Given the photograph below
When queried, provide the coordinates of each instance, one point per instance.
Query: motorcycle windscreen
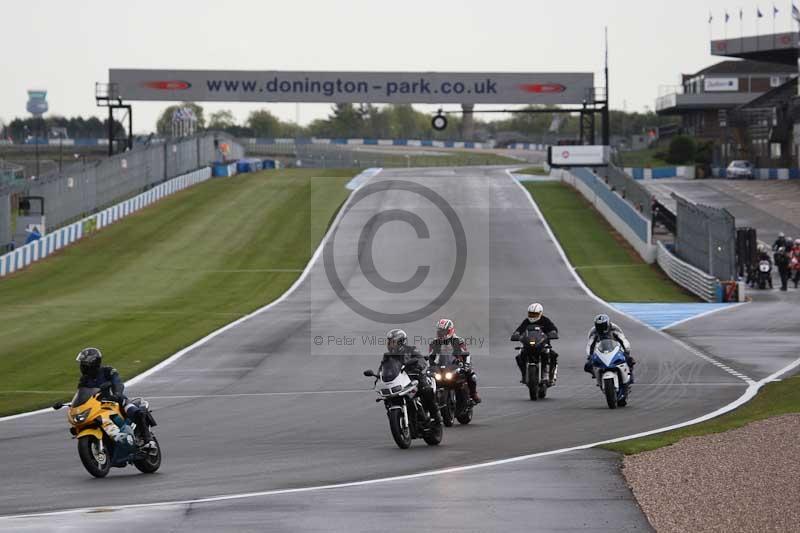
(390, 369)
(536, 334)
(607, 346)
(83, 395)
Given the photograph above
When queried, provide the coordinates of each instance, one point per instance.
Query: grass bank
(774, 399)
(602, 257)
(643, 158)
(533, 171)
(155, 282)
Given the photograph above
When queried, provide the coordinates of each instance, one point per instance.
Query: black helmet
(396, 338)
(602, 324)
(90, 360)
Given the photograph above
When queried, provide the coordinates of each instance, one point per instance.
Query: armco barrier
(367, 142)
(691, 278)
(52, 242)
(620, 214)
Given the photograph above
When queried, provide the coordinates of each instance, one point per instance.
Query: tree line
(403, 122)
(344, 121)
(76, 128)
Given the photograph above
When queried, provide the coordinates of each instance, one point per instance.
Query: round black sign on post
(439, 122)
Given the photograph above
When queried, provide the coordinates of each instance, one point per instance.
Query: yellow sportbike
(105, 438)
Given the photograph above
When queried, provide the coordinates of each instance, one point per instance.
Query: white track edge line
(750, 392)
(174, 357)
(706, 313)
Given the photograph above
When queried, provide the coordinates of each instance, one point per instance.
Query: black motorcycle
(408, 418)
(452, 391)
(535, 353)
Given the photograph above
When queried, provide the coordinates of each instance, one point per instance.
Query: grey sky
(66, 46)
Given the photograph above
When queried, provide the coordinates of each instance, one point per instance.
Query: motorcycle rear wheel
(96, 463)
(401, 435)
(611, 393)
(151, 462)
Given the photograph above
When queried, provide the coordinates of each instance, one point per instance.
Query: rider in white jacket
(605, 329)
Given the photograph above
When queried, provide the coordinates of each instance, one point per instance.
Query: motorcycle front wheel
(433, 436)
(96, 462)
(449, 408)
(533, 382)
(400, 432)
(611, 393)
(151, 461)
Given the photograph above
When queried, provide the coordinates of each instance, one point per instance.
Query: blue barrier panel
(620, 207)
(371, 142)
(338, 141)
(469, 144)
(773, 173)
(794, 173)
(265, 141)
(400, 142)
(427, 143)
(664, 172)
(449, 144)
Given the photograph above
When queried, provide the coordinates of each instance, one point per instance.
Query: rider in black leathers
(106, 378)
(416, 367)
(536, 318)
(447, 341)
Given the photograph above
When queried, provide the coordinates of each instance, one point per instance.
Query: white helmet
(535, 312)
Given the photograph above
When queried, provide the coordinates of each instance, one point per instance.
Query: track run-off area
(275, 405)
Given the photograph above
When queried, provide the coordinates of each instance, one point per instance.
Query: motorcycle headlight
(81, 417)
(438, 376)
(449, 375)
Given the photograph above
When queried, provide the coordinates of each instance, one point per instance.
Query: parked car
(740, 170)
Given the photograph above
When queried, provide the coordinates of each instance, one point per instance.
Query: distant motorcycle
(98, 452)
(764, 274)
(535, 349)
(612, 372)
(408, 418)
(452, 392)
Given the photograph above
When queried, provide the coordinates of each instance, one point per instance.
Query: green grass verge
(157, 281)
(602, 258)
(774, 399)
(533, 171)
(643, 158)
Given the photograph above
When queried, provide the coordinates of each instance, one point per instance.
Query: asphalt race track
(267, 405)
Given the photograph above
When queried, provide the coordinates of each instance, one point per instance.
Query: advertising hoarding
(352, 87)
(578, 156)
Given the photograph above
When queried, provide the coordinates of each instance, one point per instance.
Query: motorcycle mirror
(553, 335)
(57, 406)
(369, 373)
(515, 337)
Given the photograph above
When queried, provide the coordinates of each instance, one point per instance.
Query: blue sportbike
(612, 372)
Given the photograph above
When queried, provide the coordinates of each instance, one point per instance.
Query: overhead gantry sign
(352, 87)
